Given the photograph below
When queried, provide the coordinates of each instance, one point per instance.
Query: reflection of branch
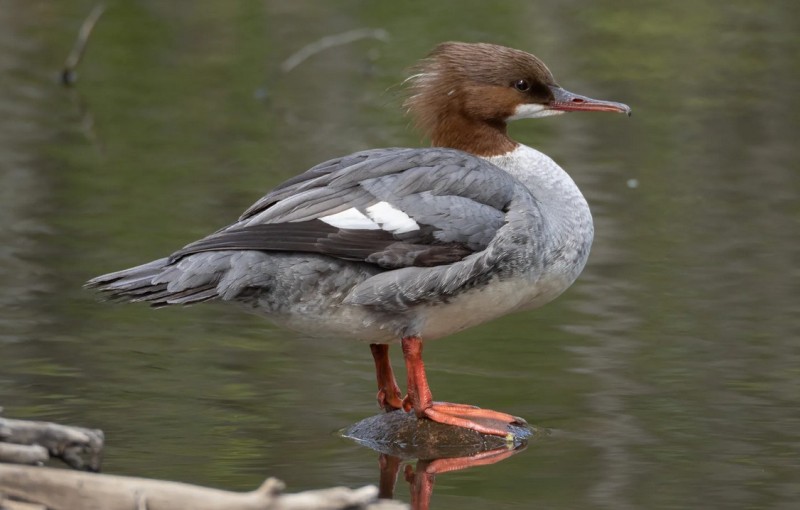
(329, 42)
(69, 74)
(87, 120)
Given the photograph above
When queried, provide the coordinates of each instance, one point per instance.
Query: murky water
(669, 376)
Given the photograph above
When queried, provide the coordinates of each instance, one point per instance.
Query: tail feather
(164, 297)
(142, 284)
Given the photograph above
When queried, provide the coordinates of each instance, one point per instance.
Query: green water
(669, 375)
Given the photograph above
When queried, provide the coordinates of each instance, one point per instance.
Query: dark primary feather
(374, 246)
(458, 201)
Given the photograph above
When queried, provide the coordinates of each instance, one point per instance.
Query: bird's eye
(522, 85)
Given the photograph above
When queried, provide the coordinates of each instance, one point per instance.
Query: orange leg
(420, 399)
(389, 397)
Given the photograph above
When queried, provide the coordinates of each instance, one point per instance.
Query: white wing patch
(391, 219)
(379, 216)
(350, 218)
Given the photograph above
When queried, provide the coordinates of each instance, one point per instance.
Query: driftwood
(58, 489)
(33, 442)
(31, 454)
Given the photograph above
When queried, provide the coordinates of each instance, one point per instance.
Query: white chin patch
(379, 216)
(533, 111)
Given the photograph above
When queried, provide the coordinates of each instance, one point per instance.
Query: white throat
(559, 197)
(547, 181)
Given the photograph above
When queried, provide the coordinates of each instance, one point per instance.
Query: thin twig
(69, 74)
(330, 41)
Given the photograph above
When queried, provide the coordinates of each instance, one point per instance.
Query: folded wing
(393, 208)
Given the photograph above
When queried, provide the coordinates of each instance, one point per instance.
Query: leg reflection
(422, 478)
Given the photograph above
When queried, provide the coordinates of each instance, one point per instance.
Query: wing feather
(460, 204)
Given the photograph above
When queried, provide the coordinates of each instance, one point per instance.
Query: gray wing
(428, 217)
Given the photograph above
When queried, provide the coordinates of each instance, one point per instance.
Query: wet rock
(404, 435)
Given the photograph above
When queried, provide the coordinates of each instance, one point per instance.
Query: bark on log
(59, 489)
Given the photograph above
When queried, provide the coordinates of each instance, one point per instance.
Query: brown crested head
(463, 94)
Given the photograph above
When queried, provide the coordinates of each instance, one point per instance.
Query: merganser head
(462, 95)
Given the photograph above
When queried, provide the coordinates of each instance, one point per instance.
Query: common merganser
(403, 244)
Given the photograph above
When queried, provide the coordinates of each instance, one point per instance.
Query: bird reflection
(422, 477)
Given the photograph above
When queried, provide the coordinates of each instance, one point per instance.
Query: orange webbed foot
(484, 421)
